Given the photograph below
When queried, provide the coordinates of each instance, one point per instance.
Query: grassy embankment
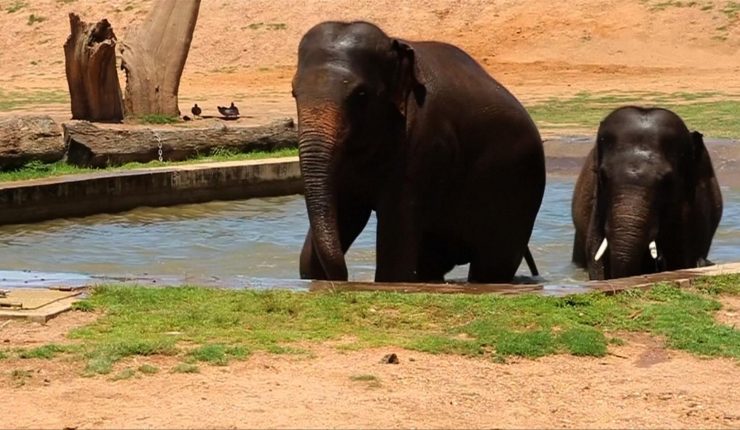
(714, 114)
(200, 325)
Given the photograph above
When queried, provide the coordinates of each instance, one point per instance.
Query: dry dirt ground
(638, 385)
(245, 51)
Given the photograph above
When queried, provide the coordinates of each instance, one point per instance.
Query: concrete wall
(80, 195)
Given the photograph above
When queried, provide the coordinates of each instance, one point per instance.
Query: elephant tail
(530, 262)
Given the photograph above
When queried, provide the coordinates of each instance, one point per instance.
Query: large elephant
(647, 198)
(449, 160)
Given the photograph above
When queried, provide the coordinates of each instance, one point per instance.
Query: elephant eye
(359, 95)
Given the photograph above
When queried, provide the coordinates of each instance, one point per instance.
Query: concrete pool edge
(110, 192)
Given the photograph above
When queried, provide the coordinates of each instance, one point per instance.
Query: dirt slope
(246, 49)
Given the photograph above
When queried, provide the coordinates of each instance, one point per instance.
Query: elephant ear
(407, 77)
(701, 169)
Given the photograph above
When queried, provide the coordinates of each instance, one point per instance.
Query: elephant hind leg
(494, 266)
(435, 261)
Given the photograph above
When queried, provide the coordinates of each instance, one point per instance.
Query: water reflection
(261, 239)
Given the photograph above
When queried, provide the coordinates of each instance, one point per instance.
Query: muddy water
(256, 240)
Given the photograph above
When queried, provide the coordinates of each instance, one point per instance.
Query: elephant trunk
(318, 134)
(630, 231)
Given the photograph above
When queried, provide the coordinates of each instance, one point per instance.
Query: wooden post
(90, 58)
(153, 57)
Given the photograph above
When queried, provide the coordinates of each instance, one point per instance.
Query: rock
(391, 358)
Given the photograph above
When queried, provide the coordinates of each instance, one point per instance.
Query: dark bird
(229, 112)
(196, 110)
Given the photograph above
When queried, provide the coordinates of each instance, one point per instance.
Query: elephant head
(648, 169)
(352, 87)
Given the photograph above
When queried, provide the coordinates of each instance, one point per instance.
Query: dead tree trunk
(153, 57)
(90, 57)
(29, 138)
(92, 146)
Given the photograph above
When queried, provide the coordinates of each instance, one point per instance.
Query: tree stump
(29, 138)
(90, 58)
(153, 57)
(92, 146)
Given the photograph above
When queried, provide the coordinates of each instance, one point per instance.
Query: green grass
(159, 119)
(218, 354)
(714, 114)
(11, 100)
(215, 326)
(186, 368)
(124, 374)
(148, 369)
(36, 170)
(47, 352)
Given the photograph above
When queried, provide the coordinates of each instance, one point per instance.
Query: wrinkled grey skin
(647, 179)
(418, 132)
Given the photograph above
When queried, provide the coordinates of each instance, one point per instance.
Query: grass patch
(82, 306)
(36, 170)
(371, 380)
(731, 10)
(711, 113)
(34, 19)
(186, 368)
(156, 118)
(584, 341)
(11, 100)
(218, 354)
(3, 355)
(16, 6)
(46, 352)
(266, 26)
(102, 357)
(148, 369)
(124, 374)
(20, 376)
(722, 284)
(226, 324)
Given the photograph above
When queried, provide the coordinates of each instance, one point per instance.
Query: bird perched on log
(196, 110)
(229, 112)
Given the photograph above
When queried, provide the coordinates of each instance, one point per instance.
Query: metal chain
(159, 146)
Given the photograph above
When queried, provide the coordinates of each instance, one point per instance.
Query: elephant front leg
(351, 221)
(397, 250)
(310, 266)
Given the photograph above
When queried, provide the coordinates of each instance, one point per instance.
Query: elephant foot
(703, 262)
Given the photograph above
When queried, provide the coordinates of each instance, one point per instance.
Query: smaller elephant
(646, 199)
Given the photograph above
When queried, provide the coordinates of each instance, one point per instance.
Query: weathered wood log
(92, 146)
(409, 287)
(153, 56)
(29, 138)
(90, 63)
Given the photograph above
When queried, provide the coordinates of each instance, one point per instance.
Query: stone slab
(36, 304)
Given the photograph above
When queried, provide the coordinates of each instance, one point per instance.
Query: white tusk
(601, 250)
(653, 250)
